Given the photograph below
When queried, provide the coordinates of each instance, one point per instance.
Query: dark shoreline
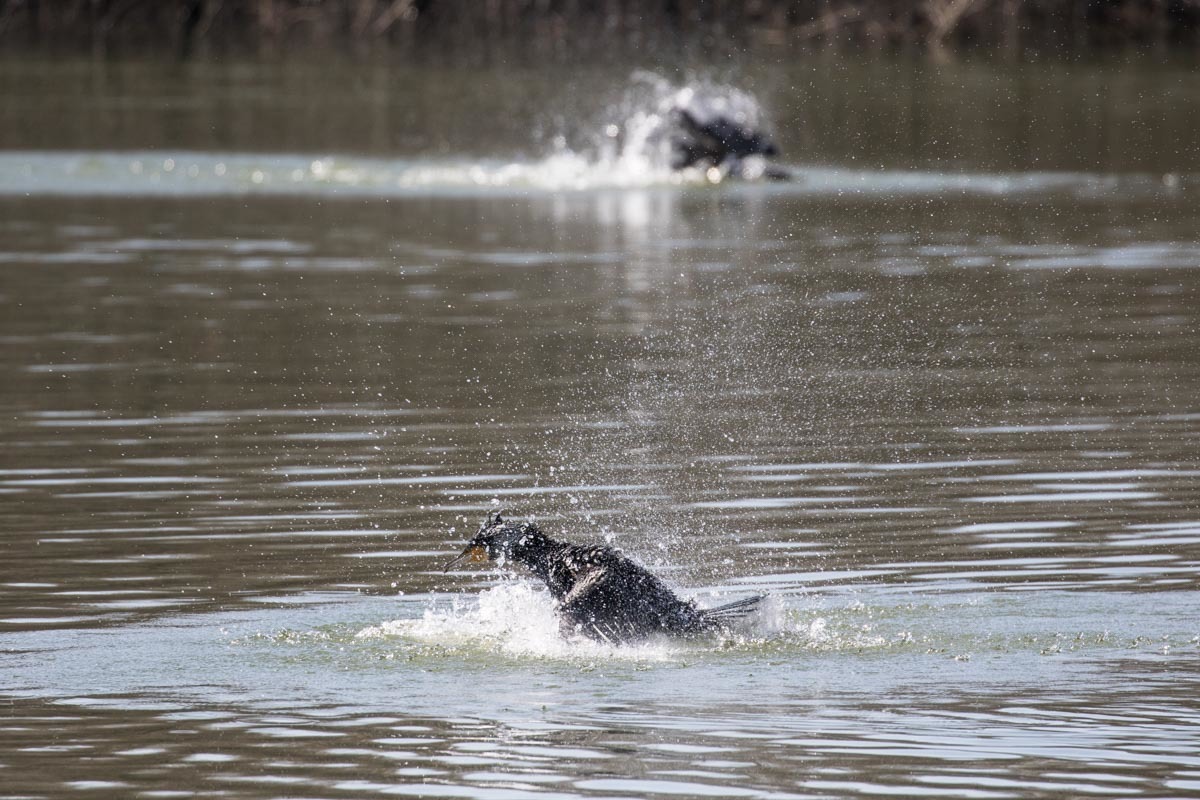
(570, 29)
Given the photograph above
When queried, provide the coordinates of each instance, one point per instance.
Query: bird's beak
(476, 552)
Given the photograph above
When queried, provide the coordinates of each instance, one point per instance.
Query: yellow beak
(477, 553)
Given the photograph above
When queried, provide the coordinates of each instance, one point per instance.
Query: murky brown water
(270, 351)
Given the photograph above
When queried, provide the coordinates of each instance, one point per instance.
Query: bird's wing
(584, 587)
(577, 606)
(581, 560)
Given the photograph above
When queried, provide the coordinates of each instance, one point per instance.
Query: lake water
(275, 337)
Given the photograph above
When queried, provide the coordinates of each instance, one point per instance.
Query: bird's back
(612, 598)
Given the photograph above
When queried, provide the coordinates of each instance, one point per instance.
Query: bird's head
(498, 540)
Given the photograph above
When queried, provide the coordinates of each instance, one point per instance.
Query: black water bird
(600, 593)
(711, 138)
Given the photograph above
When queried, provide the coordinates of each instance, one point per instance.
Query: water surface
(266, 369)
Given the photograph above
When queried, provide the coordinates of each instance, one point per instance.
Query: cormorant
(601, 593)
(711, 137)
(715, 140)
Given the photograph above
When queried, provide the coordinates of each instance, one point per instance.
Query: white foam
(518, 619)
(515, 619)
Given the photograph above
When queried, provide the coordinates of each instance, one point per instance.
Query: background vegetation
(568, 27)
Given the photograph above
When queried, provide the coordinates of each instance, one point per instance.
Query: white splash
(636, 140)
(518, 620)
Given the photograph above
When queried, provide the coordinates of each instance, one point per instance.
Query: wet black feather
(601, 593)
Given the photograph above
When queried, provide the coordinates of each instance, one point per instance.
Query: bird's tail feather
(731, 612)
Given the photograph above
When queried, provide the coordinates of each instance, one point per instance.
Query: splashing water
(628, 146)
(636, 136)
(517, 619)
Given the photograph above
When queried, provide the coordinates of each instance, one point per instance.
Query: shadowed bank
(566, 27)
